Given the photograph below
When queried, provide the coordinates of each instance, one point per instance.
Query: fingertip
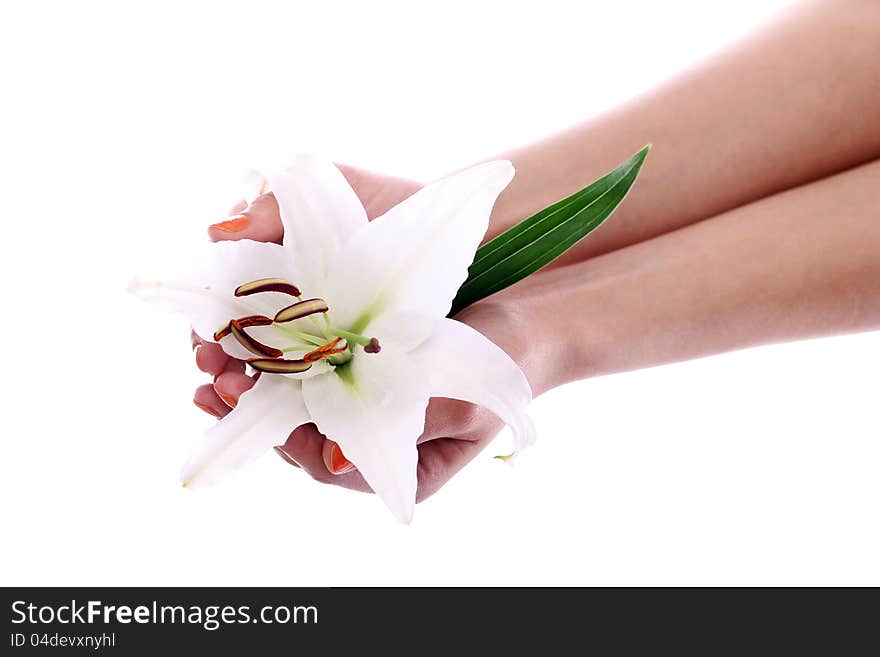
(334, 459)
(229, 387)
(286, 457)
(259, 221)
(233, 228)
(206, 399)
(210, 358)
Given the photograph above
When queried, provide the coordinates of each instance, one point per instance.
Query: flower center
(332, 344)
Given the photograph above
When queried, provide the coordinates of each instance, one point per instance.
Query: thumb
(260, 221)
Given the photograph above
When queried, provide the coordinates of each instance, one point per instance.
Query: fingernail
(234, 224)
(208, 409)
(287, 457)
(335, 460)
(228, 399)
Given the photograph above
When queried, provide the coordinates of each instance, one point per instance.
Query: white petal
(204, 290)
(264, 417)
(376, 420)
(402, 331)
(461, 363)
(319, 210)
(415, 257)
(255, 184)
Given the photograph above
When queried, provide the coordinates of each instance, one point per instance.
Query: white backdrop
(123, 133)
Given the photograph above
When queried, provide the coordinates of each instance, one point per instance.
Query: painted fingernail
(335, 460)
(228, 399)
(208, 409)
(234, 224)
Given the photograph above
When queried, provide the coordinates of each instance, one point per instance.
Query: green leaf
(543, 237)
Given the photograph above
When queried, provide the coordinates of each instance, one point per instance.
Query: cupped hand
(455, 431)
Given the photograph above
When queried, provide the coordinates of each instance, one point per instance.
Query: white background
(123, 134)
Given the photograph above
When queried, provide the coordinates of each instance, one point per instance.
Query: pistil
(370, 345)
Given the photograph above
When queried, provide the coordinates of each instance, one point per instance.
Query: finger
(211, 358)
(305, 447)
(207, 399)
(230, 385)
(378, 192)
(442, 458)
(334, 460)
(234, 365)
(452, 418)
(286, 457)
(260, 221)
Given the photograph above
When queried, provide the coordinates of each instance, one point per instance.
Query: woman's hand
(261, 221)
(455, 431)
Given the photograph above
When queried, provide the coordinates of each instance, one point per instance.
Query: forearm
(795, 102)
(800, 264)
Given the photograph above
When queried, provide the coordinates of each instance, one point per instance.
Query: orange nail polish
(234, 224)
(207, 409)
(229, 400)
(335, 460)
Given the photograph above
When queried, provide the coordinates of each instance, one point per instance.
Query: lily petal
(461, 363)
(415, 256)
(319, 210)
(375, 413)
(254, 185)
(264, 417)
(204, 291)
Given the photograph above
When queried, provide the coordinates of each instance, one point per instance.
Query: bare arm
(800, 264)
(795, 102)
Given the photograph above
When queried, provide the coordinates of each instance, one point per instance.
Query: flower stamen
(332, 348)
(251, 344)
(267, 285)
(279, 365)
(301, 309)
(243, 322)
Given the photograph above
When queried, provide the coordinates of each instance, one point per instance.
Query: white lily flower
(346, 320)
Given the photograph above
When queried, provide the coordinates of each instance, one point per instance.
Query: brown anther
(267, 285)
(333, 347)
(374, 347)
(243, 322)
(251, 344)
(301, 309)
(279, 365)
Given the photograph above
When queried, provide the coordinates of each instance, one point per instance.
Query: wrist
(516, 325)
